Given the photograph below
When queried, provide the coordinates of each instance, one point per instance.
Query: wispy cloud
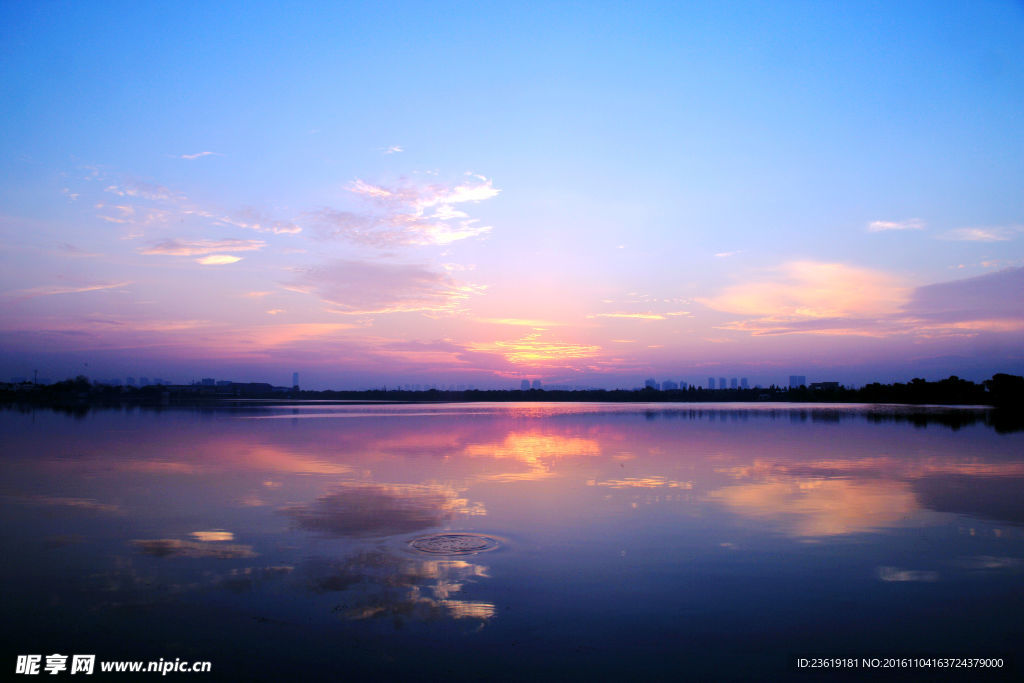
(909, 224)
(252, 219)
(393, 149)
(173, 247)
(50, 290)
(409, 214)
(994, 234)
(634, 316)
(362, 288)
(127, 214)
(521, 322)
(146, 203)
(198, 155)
(133, 187)
(69, 249)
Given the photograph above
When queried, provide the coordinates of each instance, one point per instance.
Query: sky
(585, 193)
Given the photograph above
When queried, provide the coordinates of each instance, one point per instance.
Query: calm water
(634, 542)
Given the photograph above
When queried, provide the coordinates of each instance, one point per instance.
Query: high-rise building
(711, 382)
(651, 383)
(721, 383)
(797, 381)
(669, 385)
(295, 380)
(535, 384)
(734, 383)
(525, 385)
(743, 383)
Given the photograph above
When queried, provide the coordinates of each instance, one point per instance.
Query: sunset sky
(584, 193)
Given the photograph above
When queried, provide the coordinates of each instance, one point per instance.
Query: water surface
(661, 541)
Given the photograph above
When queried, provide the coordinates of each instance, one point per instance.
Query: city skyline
(580, 195)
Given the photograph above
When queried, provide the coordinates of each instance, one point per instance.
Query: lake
(514, 541)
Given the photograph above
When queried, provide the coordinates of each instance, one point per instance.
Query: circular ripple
(454, 544)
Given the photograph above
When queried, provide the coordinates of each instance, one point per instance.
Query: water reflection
(822, 507)
(364, 509)
(172, 547)
(377, 584)
(624, 524)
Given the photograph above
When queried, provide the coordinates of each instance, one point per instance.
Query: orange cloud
(803, 290)
(530, 350)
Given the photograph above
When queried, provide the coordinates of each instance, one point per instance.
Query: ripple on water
(454, 544)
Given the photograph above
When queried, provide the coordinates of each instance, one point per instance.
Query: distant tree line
(1001, 390)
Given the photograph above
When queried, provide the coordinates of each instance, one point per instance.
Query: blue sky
(667, 189)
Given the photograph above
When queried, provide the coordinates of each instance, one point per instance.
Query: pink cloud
(175, 247)
(839, 300)
(360, 287)
(409, 214)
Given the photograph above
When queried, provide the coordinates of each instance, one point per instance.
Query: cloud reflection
(535, 450)
(376, 584)
(363, 509)
(172, 547)
(805, 506)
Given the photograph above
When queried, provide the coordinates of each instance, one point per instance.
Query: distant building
(130, 381)
(743, 383)
(684, 385)
(651, 383)
(734, 383)
(721, 383)
(711, 382)
(208, 382)
(295, 380)
(224, 383)
(669, 385)
(797, 381)
(822, 386)
(535, 384)
(525, 385)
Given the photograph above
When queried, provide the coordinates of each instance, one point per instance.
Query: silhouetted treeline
(1001, 390)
